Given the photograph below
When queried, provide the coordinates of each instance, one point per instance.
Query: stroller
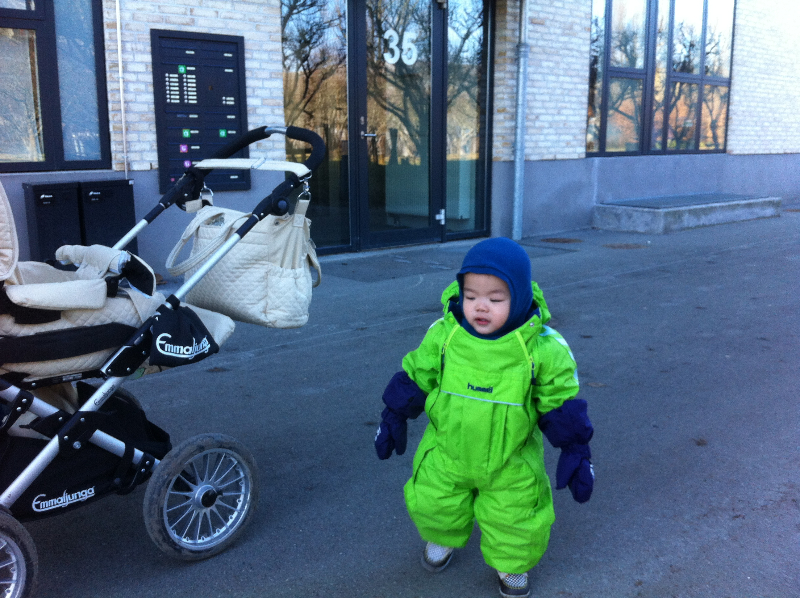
(64, 441)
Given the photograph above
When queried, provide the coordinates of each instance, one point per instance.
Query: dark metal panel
(107, 212)
(200, 102)
(53, 218)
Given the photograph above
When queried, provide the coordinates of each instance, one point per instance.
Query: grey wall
(560, 195)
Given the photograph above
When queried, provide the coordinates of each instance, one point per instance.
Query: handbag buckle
(306, 192)
(206, 196)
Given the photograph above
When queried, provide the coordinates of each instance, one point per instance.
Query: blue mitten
(391, 435)
(403, 396)
(569, 429)
(575, 470)
(404, 400)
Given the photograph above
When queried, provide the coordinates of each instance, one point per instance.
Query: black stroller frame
(202, 493)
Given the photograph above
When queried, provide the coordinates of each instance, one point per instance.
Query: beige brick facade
(764, 94)
(505, 78)
(765, 90)
(557, 79)
(258, 21)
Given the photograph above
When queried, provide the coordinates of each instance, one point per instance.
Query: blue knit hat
(508, 261)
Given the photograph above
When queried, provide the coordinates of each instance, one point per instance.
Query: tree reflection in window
(685, 79)
(315, 97)
(466, 115)
(596, 75)
(21, 136)
(465, 78)
(660, 76)
(314, 73)
(399, 93)
(687, 36)
(624, 115)
(628, 33)
(719, 38)
(80, 120)
(682, 116)
(715, 117)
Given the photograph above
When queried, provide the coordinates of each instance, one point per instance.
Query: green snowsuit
(481, 456)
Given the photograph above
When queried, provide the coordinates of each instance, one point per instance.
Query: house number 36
(407, 51)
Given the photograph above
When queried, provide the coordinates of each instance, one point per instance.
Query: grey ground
(688, 352)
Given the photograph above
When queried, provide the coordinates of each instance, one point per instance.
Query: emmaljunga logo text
(40, 503)
(182, 351)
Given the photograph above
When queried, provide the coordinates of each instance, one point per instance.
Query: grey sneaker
(435, 558)
(514, 585)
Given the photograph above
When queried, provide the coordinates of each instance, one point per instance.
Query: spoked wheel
(201, 496)
(19, 564)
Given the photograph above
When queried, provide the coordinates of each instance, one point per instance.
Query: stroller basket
(65, 442)
(77, 477)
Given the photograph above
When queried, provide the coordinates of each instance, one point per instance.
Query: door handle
(365, 135)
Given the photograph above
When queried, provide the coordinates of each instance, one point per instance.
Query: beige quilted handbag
(264, 279)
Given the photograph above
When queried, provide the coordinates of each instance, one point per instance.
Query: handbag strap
(205, 216)
(301, 206)
(299, 220)
(314, 262)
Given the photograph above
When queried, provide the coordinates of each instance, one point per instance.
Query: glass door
(467, 116)
(398, 90)
(315, 88)
(396, 132)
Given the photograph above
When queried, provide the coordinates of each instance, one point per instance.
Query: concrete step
(680, 212)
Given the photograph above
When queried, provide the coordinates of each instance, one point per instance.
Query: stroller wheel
(201, 496)
(19, 563)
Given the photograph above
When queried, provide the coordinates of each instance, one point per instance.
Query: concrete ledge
(680, 212)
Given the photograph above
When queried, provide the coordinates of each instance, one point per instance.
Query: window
(659, 76)
(314, 43)
(53, 110)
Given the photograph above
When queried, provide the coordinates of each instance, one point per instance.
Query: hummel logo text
(488, 389)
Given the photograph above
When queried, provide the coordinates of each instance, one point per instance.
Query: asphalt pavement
(688, 351)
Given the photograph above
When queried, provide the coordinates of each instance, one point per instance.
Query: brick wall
(557, 81)
(257, 20)
(765, 88)
(505, 78)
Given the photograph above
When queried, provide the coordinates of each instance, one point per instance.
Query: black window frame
(42, 20)
(648, 75)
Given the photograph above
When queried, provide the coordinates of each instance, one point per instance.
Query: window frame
(42, 21)
(647, 75)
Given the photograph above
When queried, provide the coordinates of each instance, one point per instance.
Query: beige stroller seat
(57, 325)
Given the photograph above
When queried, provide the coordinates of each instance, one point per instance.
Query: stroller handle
(296, 133)
(242, 142)
(189, 186)
(314, 140)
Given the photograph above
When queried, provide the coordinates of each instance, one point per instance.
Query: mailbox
(53, 218)
(78, 213)
(107, 212)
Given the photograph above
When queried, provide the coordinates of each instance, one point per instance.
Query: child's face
(487, 302)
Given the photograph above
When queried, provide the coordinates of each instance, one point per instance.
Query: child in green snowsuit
(492, 377)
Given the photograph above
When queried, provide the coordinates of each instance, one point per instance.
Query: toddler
(492, 377)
